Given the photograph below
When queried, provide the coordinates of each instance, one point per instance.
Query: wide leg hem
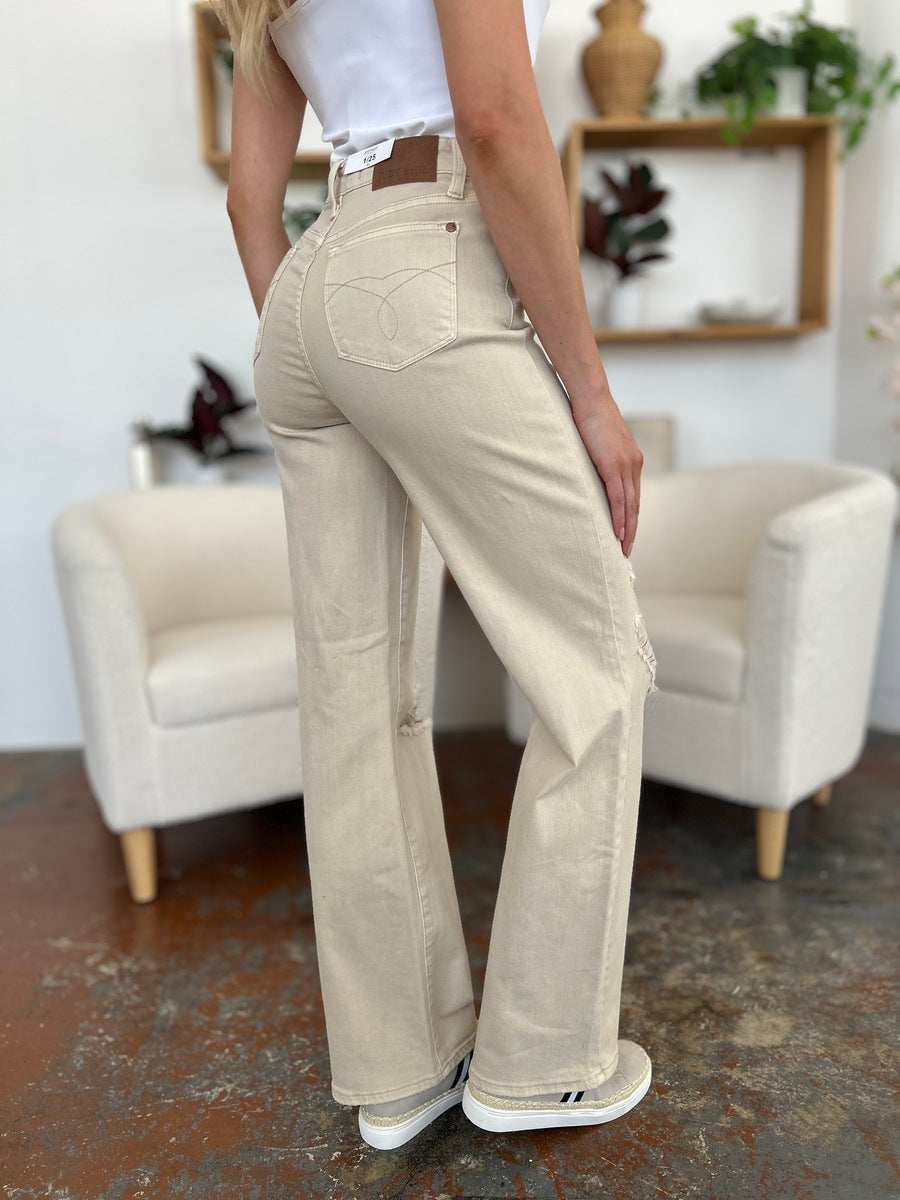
(563, 1083)
(410, 1089)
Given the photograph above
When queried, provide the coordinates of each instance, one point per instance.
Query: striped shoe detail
(462, 1071)
(571, 1097)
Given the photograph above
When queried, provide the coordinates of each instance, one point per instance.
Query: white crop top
(374, 70)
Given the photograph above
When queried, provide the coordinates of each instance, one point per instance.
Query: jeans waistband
(451, 169)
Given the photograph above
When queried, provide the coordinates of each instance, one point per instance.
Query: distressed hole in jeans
(412, 723)
(643, 641)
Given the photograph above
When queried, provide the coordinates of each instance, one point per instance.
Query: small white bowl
(740, 308)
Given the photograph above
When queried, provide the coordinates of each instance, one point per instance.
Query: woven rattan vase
(621, 64)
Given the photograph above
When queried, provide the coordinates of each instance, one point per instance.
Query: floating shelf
(209, 33)
(718, 331)
(817, 139)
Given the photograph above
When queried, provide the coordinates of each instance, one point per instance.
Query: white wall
(119, 267)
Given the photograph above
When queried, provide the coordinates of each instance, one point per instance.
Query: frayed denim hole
(645, 649)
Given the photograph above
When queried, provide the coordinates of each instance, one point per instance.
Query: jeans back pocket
(390, 295)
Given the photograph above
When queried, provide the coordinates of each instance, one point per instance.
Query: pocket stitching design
(411, 273)
(385, 300)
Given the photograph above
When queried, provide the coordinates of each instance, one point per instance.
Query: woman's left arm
(264, 136)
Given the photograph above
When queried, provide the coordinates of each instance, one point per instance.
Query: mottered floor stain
(178, 1049)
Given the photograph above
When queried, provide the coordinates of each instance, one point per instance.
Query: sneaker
(625, 1088)
(387, 1126)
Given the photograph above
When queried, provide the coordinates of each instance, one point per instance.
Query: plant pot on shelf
(621, 63)
(600, 278)
(142, 467)
(792, 84)
(626, 302)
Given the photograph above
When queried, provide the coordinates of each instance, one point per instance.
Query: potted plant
(840, 78)
(212, 402)
(298, 218)
(843, 79)
(625, 229)
(743, 78)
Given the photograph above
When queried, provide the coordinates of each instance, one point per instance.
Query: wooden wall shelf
(209, 33)
(817, 139)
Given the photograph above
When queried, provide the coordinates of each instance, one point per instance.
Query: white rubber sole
(554, 1116)
(389, 1136)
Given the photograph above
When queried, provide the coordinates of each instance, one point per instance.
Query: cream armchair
(178, 606)
(762, 588)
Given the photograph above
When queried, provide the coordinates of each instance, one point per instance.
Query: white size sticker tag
(368, 158)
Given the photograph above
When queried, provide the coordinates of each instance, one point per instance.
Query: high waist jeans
(400, 382)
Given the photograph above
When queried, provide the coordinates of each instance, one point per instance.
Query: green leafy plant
(742, 78)
(226, 56)
(624, 228)
(298, 218)
(843, 79)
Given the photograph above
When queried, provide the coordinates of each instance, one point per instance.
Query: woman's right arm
(264, 135)
(517, 177)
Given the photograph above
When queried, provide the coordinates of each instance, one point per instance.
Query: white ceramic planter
(141, 464)
(793, 86)
(599, 278)
(625, 304)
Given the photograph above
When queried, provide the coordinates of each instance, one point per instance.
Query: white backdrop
(119, 267)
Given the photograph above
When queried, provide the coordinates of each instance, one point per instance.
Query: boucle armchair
(762, 588)
(178, 607)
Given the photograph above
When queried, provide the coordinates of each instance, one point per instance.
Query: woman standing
(399, 380)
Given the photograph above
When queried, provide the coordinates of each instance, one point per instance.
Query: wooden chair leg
(139, 852)
(822, 796)
(771, 839)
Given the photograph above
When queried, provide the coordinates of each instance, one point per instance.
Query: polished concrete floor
(177, 1050)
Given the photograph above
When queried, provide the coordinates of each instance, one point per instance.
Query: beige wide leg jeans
(400, 382)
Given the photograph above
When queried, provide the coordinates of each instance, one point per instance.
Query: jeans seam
(301, 345)
(512, 306)
(621, 790)
(282, 266)
(421, 890)
(399, 665)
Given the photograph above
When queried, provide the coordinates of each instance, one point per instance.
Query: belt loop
(458, 179)
(335, 176)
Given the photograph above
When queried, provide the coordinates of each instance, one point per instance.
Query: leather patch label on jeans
(413, 160)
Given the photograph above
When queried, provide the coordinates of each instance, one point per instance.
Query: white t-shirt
(371, 70)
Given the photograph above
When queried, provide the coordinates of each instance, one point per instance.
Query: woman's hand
(618, 460)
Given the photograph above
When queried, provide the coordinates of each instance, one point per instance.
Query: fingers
(636, 474)
(631, 512)
(636, 484)
(615, 492)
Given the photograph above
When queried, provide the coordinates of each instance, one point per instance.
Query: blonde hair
(247, 24)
